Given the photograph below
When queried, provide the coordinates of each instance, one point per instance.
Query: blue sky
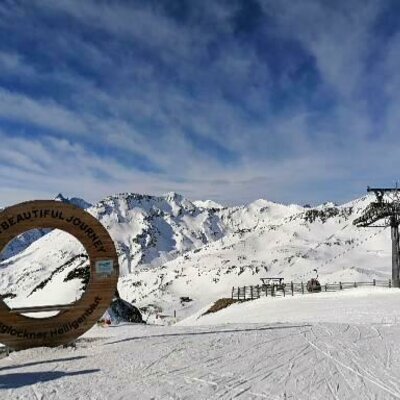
(231, 100)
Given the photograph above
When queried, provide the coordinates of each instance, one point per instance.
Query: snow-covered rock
(122, 311)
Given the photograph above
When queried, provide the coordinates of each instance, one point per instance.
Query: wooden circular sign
(20, 332)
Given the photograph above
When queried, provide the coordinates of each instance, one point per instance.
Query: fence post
(326, 287)
(340, 286)
(374, 282)
(251, 292)
(390, 283)
(233, 289)
(244, 290)
(291, 287)
(273, 290)
(355, 284)
(302, 287)
(238, 292)
(258, 291)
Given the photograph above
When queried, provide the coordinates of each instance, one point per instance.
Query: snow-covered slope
(304, 358)
(170, 248)
(366, 305)
(149, 231)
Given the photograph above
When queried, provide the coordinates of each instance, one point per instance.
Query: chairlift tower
(384, 212)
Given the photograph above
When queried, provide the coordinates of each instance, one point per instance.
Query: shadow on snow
(40, 362)
(14, 381)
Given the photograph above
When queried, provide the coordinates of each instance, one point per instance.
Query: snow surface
(358, 306)
(302, 358)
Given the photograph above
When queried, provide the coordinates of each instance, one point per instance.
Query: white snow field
(342, 345)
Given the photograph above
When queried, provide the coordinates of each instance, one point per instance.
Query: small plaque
(104, 267)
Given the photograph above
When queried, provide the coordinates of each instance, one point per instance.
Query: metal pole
(395, 251)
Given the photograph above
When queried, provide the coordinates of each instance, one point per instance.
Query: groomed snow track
(259, 361)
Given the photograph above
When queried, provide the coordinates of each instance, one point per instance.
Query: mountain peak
(60, 197)
(174, 196)
(76, 201)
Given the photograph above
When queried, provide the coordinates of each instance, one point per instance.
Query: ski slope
(362, 305)
(282, 357)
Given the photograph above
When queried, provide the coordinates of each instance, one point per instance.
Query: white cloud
(337, 34)
(127, 104)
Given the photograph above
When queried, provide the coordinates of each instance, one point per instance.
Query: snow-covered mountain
(180, 255)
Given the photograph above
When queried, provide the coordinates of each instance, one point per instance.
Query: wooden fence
(255, 292)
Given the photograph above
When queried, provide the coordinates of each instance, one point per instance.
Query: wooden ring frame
(20, 332)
